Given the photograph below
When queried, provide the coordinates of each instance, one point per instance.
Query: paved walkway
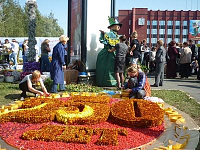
(190, 85)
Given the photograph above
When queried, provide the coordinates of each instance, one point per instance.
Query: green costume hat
(113, 21)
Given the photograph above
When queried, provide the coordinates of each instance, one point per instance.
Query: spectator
(25, 51)
(27, 84)
(7, 49)
(160, 62)
(45, 64)
(121, 51)
(58, 64)
(152, 58)
(15, 49)
(171, 62)
(194, 50)
(185, 60)
(135, 48)
(143, 50)
(198, 59)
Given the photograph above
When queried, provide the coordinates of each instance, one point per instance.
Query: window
(154, 36)
(154, 22)
(161, 22)
(147, 40)
(169, 36)
(177, 31)
(169, 40)
(185, 23)
(184, 39)
(153, 40)
(177, 40)
(170, 23)
(161, 31)
(129, 22)
(129, 31)
(169, 31)
(148, 31)
(161, 36)
(148, 24)
(177, 23)
(154, 31)
(185, 32)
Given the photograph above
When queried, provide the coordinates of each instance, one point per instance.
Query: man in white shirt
(15, 49)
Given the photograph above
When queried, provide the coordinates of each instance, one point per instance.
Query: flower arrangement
(137, 113)
(75, 134)
(8, 73)
(82, 88)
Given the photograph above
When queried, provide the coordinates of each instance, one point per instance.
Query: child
(121, 51)
(26, 85)
(137, 85)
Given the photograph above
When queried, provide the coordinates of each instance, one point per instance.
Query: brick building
(154, 25)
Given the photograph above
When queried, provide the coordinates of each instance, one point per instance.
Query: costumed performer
(105, 75)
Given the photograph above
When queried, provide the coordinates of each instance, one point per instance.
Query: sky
(59, 7)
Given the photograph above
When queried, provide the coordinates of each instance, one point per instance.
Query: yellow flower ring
(137, 113)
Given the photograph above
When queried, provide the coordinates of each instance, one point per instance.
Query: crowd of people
(120, 55)
(10, 50)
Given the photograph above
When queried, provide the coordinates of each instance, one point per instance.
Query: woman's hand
(41, 93)
(47, 94)
(129, 90)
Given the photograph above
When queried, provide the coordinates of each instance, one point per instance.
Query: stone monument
(32, 5)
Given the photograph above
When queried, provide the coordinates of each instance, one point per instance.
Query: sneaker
(22, 99)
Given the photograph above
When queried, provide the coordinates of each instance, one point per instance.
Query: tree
(14, 21)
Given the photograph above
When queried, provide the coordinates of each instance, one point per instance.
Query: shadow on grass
(12, 96)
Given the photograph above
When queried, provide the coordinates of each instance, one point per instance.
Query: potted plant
(9, 77)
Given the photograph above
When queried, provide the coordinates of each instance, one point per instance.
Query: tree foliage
(14, 21)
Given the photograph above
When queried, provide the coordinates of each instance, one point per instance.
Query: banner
(194, 32)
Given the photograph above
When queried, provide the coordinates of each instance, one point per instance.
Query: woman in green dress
(105, 75)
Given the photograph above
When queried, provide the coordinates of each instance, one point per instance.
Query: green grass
(181, 101)
(9, 92)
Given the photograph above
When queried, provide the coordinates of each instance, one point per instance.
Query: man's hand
(64, 67)
(102, 31)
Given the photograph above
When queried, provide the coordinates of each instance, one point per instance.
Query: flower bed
(35, 126)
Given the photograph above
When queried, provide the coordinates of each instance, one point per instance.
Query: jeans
(13, 58)
(45, 64)
(55, 87)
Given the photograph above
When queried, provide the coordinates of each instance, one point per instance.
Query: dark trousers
(24, 87)
(185, 70)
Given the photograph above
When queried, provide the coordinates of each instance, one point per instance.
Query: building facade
(153, 25)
